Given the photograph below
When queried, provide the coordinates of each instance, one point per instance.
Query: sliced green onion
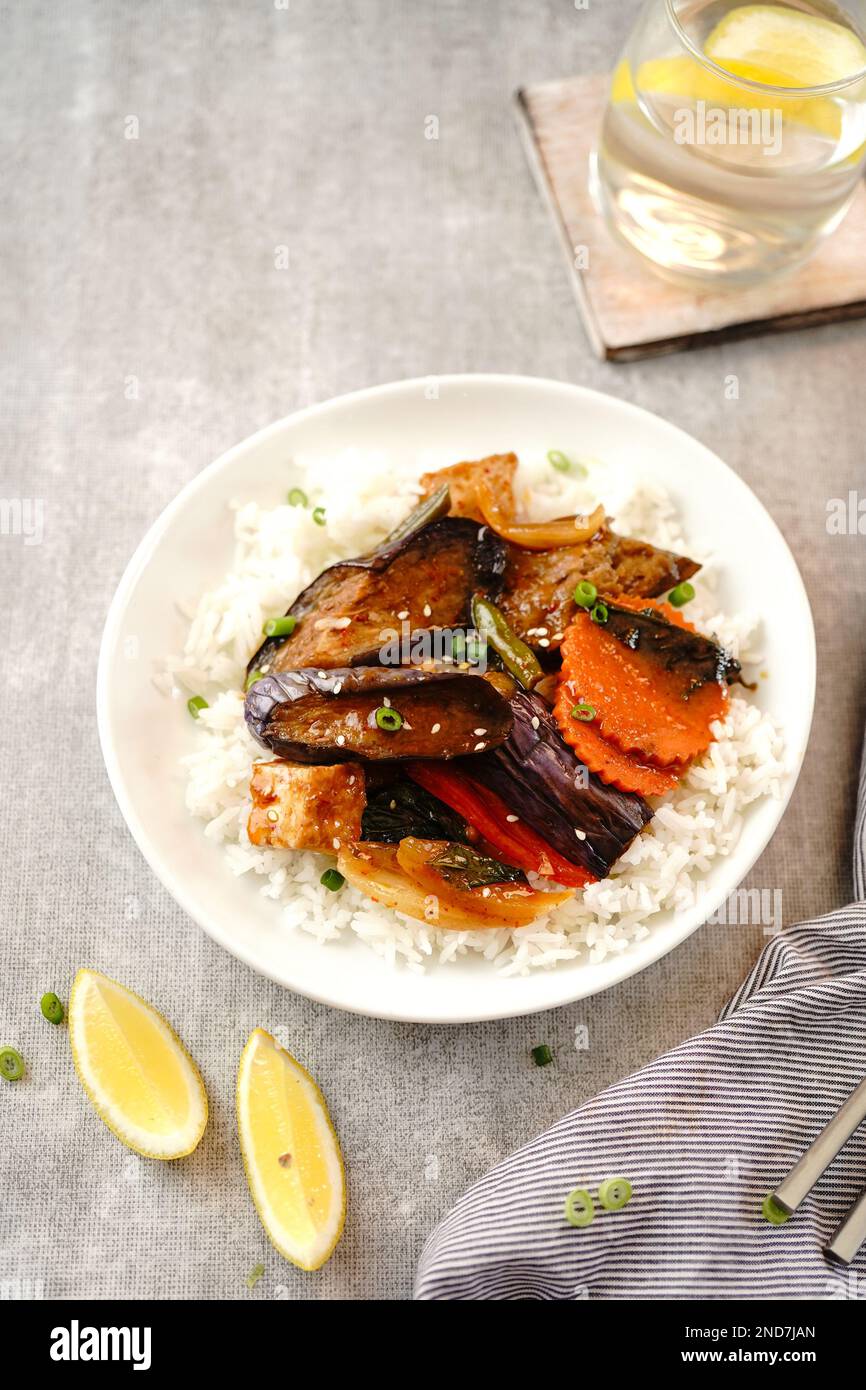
(772, 1212)
(196, 705)
(11, 1064)
(542, 1056)
(585, 594)
(333, 879)
(599, 613)
(252, 678)
(280, 627)
(390, 720)
(319, 515)
(614, 1193)
(579, 1210)
(584, 712)
(683, 593)
(298, 498)
(255, 1275)
(563, 464)
(51, 1008)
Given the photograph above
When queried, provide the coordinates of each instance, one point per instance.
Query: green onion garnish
(52, 1008)
(196, 705)
(542, 1056)
(11, 1064)
(772, 1212)
(563, 464)
(333, 879)
(579, 1210)
(319, 515)
(583, 711)
(614, 1193)
(599, 613)
(255, 1275)
(297, 498)
(390, 720)
(252, 678)
(280, 627)
(585, 594)
(683, 593)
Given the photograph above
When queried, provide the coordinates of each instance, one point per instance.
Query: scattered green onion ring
(252, 678)
(51, 1007)
(279, 627)
(542, 1055)
(558, 460)
(772, 1212)
(599, 613)
(389, 720)
(585, 594)
(319, 515)
(614, 1193)
(683, 593)
(584, 712)
(255, 1274)
(333, 879)
(298, 498)
(579, 1210)
(11, 1064)
(196, 705)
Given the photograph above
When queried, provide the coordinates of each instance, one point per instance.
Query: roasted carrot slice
(656, 685)
(618, 769)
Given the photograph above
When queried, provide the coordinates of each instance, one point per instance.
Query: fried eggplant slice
(376, 712)
(344, 617)
(536, 773)
(537, 596)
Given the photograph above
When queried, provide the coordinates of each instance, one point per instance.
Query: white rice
(280, 550)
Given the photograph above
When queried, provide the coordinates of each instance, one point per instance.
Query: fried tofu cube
(299, 807)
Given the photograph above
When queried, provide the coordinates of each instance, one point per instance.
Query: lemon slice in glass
(291, 1153)
(784, 47)
(136, 1071)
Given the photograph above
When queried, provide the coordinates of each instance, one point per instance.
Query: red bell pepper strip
(517, 842)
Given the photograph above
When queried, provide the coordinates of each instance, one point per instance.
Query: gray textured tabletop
(153, 259)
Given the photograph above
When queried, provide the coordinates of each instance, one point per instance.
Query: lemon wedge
(134, 1068)
(291, 1153)
(785, 47)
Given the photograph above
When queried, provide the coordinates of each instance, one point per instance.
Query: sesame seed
(480, 732)
(428, 611)
(581, 834)
(322, 675)
(485, 892)
(436, 728)
(336, 843)
(542, 631)
(351, 781)
(557, 637)
(403, 614)
(331, 624)
(386, 702)
(479, 746)
(338, 687)
(544, 641)
(512, 819)
(393, 805)
(273, 815)
(407, 725)
(338, 823)
(341, 739)
(535, 721)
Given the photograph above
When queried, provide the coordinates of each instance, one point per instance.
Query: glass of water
(734, 136)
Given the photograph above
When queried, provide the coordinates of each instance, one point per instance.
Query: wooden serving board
(628, 311)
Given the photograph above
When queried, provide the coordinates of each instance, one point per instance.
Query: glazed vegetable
(429, 509)
(462, 480)
(536, 535)
(503, 829)
(657, 685)
(626, 771)
(399, 809)
(588, 823)
(464, 867)
(538, 597)
(400, 877)
(426, 580)
(516, 657)
(314, 716)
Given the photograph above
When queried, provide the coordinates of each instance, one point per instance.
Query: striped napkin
(703, 1134)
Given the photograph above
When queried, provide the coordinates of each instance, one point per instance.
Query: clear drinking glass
(734, 136)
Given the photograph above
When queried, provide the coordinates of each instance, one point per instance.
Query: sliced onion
(537, 535)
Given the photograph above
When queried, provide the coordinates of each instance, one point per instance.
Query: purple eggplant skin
(697, 658)
(335, 592)
(536, 773)
(321, 717)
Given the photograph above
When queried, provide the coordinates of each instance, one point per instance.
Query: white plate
(190, 547)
